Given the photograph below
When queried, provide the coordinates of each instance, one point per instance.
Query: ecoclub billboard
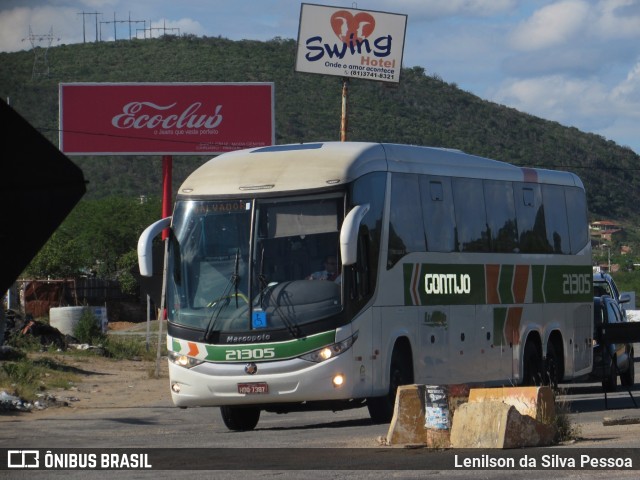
(165, 118)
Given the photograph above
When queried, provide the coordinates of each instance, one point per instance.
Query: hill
(422, 109)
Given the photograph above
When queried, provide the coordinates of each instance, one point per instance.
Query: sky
(576, 62)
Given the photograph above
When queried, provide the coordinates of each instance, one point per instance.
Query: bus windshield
(225, 275)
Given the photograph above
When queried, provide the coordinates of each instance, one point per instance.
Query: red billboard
(165, 118)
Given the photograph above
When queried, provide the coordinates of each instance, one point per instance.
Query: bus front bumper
(289, 381)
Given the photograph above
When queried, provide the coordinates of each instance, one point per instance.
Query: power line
(115, 22)
(151, 28)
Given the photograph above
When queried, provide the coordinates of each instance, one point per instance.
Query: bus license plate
(253, 388)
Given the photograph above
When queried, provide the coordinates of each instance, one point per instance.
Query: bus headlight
(330, 351)
(183, 360)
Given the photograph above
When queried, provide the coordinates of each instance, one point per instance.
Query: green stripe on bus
(505, 286)
(568, 284)
(537, 276)
(499, 321)
(269, 351)
(448, 284)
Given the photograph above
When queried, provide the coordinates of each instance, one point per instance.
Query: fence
(38, 296)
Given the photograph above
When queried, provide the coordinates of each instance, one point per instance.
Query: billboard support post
(167, 167)
(344, 119)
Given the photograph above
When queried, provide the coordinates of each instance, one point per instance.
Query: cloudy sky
(576, 62)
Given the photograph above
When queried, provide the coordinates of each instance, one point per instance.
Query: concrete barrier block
(407, 424)
(535, 402)
(495, 424)
(410, 424)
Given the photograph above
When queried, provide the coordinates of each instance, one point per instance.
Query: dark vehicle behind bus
(615, 359)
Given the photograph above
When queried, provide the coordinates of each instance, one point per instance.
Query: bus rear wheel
(553, 369)
(240, 419)
(400, 373)
(532, 363)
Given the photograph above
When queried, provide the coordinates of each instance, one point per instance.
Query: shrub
(88, 329)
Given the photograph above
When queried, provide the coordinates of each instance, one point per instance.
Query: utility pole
(144, 22)
(115, 21)
(163, 28)
(84, 14)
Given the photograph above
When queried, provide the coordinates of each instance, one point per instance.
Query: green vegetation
(26, 377)
(128, 348)
(100, 237)
(118, 347)
(87, 330)
(422, 109)
(31, 371)
(566, 430)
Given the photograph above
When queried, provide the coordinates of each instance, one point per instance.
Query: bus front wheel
(240, 419)
(400, 373)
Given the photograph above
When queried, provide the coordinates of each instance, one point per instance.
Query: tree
(95, 237)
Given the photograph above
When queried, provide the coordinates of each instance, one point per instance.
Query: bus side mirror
(349, 234)
(145, 242)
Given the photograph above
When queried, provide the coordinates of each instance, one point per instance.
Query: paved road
(347, 440)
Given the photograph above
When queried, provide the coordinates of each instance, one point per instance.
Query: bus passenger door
(433, 358)
(366, 369)
(374, 351)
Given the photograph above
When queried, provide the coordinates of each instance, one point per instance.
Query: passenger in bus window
(330, 271)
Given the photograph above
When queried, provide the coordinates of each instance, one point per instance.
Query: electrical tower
(40, 44)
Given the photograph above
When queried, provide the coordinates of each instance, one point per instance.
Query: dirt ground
(105, 383)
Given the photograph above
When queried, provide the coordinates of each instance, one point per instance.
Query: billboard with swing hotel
(350, 43)
(165, 118)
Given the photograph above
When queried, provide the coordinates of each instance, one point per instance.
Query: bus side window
(437, 213)
(471, 217)
(501, 216)
(577, 218)
(406, 233)
(531, 225)
(557, 228)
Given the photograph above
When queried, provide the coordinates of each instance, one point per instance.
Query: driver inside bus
(330, 271)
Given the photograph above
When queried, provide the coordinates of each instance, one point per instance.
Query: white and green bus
(453, 268)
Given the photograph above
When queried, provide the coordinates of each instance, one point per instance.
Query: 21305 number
(241, 354)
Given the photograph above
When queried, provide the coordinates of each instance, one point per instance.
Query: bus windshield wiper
(223, 300)
(283, 313)
(262, 280)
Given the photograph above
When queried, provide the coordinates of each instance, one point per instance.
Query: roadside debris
(47, 335)
(12, 403)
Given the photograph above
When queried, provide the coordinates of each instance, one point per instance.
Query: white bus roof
(312, 166)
